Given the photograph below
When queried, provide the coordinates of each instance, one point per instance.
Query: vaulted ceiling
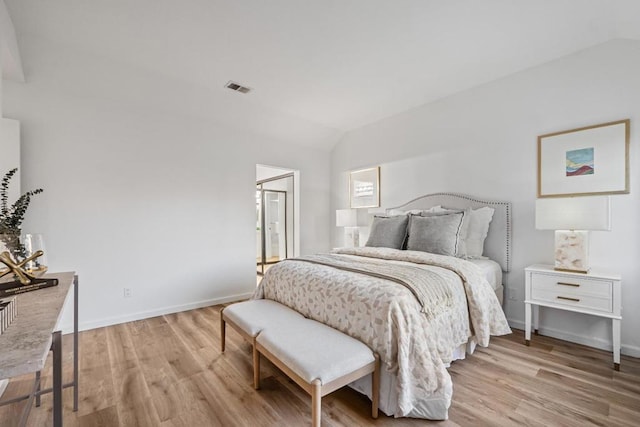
(333, 65)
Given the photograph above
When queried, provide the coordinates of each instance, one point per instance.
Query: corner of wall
(10, 59)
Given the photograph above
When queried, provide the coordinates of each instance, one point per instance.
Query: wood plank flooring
(168, 371)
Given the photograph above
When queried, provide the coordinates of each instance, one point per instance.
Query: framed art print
(364, 188)
(585, 161)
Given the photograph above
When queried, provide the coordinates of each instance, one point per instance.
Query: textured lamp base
(351, 237)
(572, 251)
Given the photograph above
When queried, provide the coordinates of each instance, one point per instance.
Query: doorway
(276, 217)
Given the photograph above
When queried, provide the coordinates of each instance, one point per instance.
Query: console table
(26, 343)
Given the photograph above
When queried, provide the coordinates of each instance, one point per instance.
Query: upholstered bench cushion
(314, 350)
(255, 315)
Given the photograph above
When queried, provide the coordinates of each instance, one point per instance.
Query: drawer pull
(570, 299)
(575, 285)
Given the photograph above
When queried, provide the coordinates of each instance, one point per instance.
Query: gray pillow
(388, 232)
(435, 234)
(461, 244)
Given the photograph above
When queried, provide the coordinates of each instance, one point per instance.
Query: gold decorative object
(24, 275)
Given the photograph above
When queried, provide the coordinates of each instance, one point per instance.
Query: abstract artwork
(585, 161)
(580, 162)
(364, 188)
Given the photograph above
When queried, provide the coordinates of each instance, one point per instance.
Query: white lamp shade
(573, 213)
(346, 218)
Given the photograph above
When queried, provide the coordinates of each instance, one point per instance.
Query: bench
(318, 358)
(249, 318)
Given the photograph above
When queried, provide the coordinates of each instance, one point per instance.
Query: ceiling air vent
(237, 87)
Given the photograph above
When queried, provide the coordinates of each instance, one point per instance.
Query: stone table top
(25, 344)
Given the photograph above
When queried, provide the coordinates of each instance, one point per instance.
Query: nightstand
(596, 293)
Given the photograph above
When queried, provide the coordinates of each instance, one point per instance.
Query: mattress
(491, 271)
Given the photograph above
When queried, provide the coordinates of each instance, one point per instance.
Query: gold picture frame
(584, 161)
(364, 188)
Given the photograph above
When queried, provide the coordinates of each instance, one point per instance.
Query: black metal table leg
(75, 343)
(57, 378)
(38, 389)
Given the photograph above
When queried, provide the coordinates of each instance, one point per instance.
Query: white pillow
(479, 221)
(394, 212)
(476, 230)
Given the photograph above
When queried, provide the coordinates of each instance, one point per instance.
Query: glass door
(273, 225)
(259, 227)
(275, 231)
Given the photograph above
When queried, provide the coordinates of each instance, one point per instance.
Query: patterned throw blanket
(388, 317)
(485, 311)
(428, 287)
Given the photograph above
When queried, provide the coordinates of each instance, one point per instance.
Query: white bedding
(491, 271)
(414, 347)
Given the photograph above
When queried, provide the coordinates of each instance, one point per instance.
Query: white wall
(10, 60)
(1, 78)
(139, 197)
(10, 154)
(9, 139)
(483, 142)
(265, 172)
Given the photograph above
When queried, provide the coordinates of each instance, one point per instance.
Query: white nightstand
(596, 293)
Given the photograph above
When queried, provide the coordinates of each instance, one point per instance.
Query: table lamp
(348, 218)
(572, 218)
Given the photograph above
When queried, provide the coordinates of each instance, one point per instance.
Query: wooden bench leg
(256, 365)
(316, 403)
(223, 331)
(375, 388)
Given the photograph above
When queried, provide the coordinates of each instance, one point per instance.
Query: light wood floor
(168, 371)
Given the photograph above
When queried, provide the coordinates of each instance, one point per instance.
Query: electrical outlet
(127, 292)
(513, 294)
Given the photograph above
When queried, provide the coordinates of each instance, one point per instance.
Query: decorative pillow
(479, 221)
(438, 234)
(461, 248)
(477, 228)
(409, 213)
(388, 231)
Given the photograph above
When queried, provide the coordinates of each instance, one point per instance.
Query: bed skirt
(436, 407)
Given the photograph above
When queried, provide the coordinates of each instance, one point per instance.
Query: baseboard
(109, 321)
(628, 350)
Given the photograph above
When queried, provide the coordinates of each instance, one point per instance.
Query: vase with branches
(12, 216)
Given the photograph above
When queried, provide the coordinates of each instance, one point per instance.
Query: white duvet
(413, 346)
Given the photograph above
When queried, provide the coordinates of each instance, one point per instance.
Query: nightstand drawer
(571, 286)
(572, 299)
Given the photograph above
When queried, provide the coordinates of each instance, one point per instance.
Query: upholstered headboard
(497, 245)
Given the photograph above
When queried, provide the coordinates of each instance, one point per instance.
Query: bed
(419, 310)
